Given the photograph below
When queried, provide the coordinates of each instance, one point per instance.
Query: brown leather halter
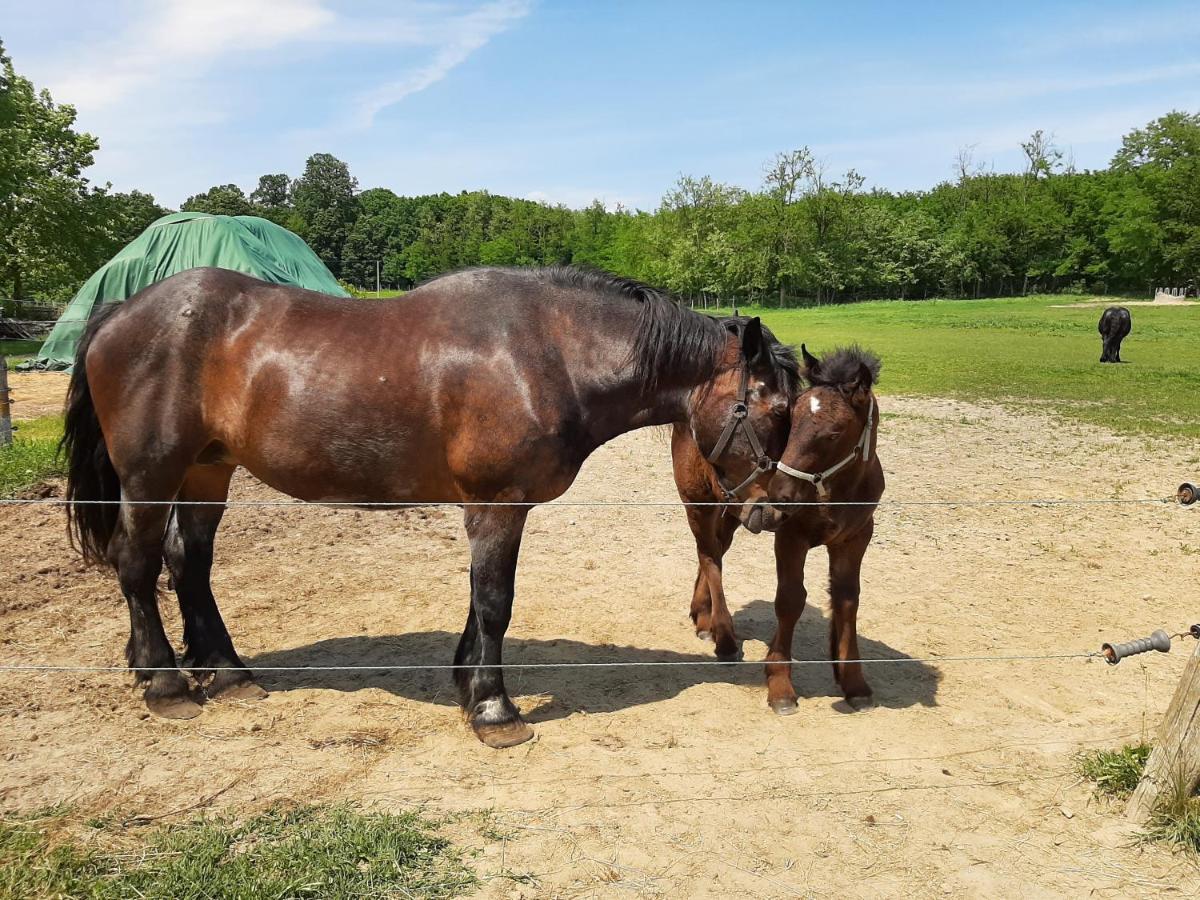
(738, 418)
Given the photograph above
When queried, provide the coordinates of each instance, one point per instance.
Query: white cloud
(459, 38)
(183, 38)
(175, 42)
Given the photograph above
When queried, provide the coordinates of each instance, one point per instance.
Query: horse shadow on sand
(566, 691)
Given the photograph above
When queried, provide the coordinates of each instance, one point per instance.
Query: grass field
(1023, 351)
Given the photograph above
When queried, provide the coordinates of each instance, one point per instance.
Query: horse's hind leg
(845, 566)
(188, 550)
(136, 553)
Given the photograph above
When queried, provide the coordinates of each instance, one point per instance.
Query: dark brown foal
(829, 455)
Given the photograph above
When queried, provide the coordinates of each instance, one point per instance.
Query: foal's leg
(720, 621)
(188, 550)
(495, 535)
(136, 551)
(790, 597)
(702, 520)
(845, 565)
(713, 533)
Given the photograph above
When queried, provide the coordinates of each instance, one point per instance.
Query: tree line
(803, 235)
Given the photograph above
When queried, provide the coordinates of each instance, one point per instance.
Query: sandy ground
(37, 393)
(674, 782)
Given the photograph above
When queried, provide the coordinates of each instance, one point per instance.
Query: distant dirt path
(37, 394)
(674, 782)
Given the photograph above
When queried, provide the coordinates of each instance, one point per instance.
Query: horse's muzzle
(772, 517)
(751, 515)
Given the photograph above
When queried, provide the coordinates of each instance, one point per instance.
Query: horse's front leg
(495, 535)
(714, 533)
(790, 597)
(845, 566)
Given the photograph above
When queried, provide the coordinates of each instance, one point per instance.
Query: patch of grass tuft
(33, 456)
(1114, 772)
(308, 851)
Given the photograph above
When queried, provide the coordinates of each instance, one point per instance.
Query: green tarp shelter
(184, 241)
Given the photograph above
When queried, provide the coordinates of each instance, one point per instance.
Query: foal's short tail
(90, 473)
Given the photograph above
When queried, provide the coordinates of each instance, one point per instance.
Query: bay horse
(483, 386)
(829, 455)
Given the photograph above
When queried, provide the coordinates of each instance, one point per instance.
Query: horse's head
(740, 419)
(833, 430)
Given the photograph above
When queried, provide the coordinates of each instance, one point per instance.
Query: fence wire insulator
(1114, 653)
(1188, 493)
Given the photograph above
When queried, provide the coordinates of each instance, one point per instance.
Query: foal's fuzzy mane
(843, 365)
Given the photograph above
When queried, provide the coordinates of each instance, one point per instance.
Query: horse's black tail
(90, 473)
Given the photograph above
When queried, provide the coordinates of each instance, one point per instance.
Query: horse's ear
(862, 383)
(754, 345)
(812, 365)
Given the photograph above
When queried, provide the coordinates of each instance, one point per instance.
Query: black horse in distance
(1115, 324)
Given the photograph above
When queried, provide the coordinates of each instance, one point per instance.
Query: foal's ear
(812, 365)
(863, 382)
(754, 345)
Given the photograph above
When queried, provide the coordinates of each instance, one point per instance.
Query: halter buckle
(740, 410)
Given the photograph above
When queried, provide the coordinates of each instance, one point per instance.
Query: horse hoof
(704, 634)
(506, 734)
(784, 707)
(865, 701)
(244, 690)
(730, 656)
(173, 707)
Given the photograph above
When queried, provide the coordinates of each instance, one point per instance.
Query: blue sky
(566, 101)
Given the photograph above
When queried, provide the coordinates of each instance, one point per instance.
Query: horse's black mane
(843, 366)
(672, 339)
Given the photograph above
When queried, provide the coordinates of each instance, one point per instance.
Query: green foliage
(804, 237)
(311, 851)
(220, 200)
(33, 455)
(325, 204)
(55, 227)
(1115, 773)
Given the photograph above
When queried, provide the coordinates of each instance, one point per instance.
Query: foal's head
(740, 419)
(833, 430)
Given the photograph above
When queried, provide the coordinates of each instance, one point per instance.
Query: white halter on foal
(818, 479)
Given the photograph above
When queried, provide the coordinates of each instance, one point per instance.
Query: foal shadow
(897, 685)
(566, 691)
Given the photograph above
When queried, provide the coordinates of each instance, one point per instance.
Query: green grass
(1115, 773)
(33, 455)
(19, 351)
(1023, 351)
(312, 851)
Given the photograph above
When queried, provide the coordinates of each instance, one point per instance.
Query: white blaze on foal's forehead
(814, 403)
